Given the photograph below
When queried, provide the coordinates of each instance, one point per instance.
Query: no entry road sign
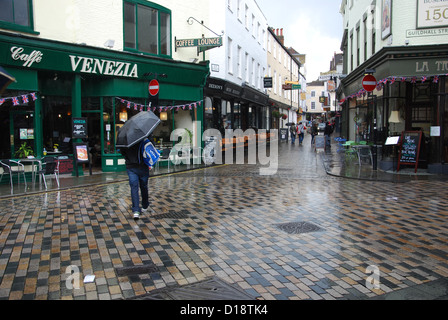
(369, 83)
(154, 87)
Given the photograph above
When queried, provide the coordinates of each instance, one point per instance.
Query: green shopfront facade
(57, 82)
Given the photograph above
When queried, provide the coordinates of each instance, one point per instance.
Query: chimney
(281, 38)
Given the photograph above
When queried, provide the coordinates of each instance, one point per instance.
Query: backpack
(293, 129)
(149, 153)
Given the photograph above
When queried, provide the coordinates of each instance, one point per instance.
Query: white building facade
(234, 94)
(284, 70)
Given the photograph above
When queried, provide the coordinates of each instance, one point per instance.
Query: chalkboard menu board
(319, 142)
(284, 134)
(410, 149)
(79, 128)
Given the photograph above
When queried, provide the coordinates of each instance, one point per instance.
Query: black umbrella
(290, 124)
(137, 129)
(5, 79)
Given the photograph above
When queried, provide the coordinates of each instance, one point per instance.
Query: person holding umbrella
(129, 139)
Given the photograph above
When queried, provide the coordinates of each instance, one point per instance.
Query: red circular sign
(369, 83)
(154, 87)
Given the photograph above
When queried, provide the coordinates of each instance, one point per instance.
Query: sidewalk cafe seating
(340, 142)
(12, 167)
(164, 157)
(50, 167)
(364, 152)
(350, 152)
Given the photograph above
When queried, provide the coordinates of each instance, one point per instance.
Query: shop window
(237, 116)
(16, 124)
(147, 28)
(17, 15)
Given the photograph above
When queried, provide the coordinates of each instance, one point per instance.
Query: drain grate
(211, 289)
(299, 227)
(136, 270)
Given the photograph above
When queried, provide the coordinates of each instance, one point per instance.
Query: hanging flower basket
(276, 114)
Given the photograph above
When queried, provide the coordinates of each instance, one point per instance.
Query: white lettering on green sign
(28, 58)
(103, 67)
(202, 42)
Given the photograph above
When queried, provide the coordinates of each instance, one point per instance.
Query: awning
(5, 79)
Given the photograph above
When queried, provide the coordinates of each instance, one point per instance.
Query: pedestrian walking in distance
(138, 173)
(314, 132)
(293, 130)
(327, 132)
(301, 130)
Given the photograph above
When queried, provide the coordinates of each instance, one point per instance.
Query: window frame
(160, 9)
(17, 27)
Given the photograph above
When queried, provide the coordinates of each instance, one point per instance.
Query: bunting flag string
(20, 100)
(140, 107)
(381, 83)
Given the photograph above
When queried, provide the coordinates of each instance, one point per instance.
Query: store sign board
(267, 81)
(103, 67)
(201, 42)
(432, 13)
(418, 67)
(29, 57)
(79, 128)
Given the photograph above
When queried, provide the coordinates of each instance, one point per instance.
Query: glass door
(94, 134)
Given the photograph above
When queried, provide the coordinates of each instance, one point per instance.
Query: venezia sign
(104, 67)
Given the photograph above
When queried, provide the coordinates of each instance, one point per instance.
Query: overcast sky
(310, 27)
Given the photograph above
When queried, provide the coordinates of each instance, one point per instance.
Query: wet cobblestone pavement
(299, 234)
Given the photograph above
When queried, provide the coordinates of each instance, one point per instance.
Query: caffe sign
(28, 58)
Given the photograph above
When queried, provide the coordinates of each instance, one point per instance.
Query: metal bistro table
(35, 162)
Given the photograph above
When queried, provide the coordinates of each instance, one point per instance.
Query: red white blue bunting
(140, 107)
(381, 83)
(20, 100)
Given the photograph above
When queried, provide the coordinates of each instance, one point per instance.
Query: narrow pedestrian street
(296, 235)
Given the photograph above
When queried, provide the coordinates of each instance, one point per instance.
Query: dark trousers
(301, 136)
(138, 180)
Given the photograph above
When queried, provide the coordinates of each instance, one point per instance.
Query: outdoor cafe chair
(50, 167)
(164, 157)
(11, 168)
(364, 152)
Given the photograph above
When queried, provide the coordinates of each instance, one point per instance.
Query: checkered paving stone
(222, 223)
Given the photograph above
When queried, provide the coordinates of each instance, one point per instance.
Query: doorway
(94, 137)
